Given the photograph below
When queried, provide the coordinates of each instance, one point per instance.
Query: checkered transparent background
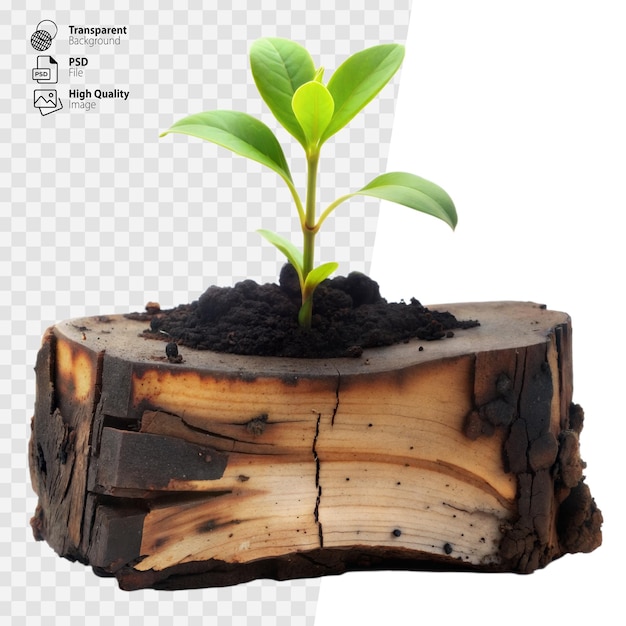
(103, 216)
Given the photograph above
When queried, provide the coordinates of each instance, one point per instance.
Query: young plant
(313, 112)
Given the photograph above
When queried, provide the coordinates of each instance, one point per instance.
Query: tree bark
(215, 469)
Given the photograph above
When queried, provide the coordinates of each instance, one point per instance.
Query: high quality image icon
(47, 101)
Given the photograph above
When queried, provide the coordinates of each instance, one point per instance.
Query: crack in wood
(457, 508)
(317, 459)
(203, 431)
(234, 440)
(71, 476)
(92, 441)
(317, 481)
(336, 407)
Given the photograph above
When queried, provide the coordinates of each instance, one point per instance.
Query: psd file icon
(47, 101)
(47, 70)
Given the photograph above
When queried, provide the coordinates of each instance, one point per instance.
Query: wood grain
(455, 454)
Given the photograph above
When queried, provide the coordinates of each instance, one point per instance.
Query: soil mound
(349, 315)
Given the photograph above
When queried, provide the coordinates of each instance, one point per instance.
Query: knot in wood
(256, 426)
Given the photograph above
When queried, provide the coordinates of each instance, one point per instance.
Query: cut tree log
(216, 469)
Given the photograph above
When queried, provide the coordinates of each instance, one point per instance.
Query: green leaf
(314, 278)
(239, 132)
(413, 192)
(313, 107)
(279, 67)
(294, 256)
(318, 275)
(358, 80)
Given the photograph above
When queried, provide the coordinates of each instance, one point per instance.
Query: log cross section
(223, 468)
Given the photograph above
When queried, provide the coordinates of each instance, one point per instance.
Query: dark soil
(349, 315)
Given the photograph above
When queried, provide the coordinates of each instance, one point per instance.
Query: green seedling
(313, 112)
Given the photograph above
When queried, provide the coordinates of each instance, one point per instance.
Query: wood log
(458, 454)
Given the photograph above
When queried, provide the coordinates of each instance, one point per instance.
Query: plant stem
(309, 231)
(308, 228)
